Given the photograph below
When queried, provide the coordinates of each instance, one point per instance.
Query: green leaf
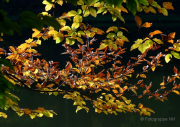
(120, 33)
(6, 63)
(114, 18)
(132, 6)
(113, 2)
(111, 35)
(158, 41)
(74, 2)
(59, 39)
(168, 57)
(79, 11)
(136, 45)
(70, 41)
(93, 12)
(86, 13)
(144, 2)
(51, 21)
(164, 11)
(101, 10)
(175, 54)
(148, 43)
(31, 20)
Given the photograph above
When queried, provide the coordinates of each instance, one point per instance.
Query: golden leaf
(147, 25)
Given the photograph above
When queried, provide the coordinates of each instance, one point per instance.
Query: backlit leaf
(93, 12)
(168, 5)
(164, 11)
(168, 57)
(71, 13)
(147, 25)
(143, 76)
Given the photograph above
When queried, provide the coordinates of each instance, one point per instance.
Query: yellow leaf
(138, 20)
(31, 50)
(168, 58)
(32, 116)
(77, 18)
(158, 41)
(75, 25)
(62, 22)
(2, 114)
(26, 73)
(29, 40)
(143, 76)
(24, 46)
(48, 113)
(80, 2)
(60, 2)
(66, 28)
(78, 108)
(153, 69)
(102, 46)
(80, 40)
(36, 32)
(98, 4)
(71, 13)
(38, 42)
(93, 12)
(128, 101)
(175, 91)
(86, 13)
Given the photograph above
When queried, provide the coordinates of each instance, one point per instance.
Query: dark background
(64, 108)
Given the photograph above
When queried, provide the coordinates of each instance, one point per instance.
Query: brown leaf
(138, 20)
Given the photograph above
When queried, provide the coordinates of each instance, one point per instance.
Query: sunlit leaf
(168, 57)
(147, 25)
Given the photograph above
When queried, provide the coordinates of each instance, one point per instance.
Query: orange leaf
(171, 35)
(155, 32)
(162, 83)
(140, 105)
(27, 111)
(138, 20)
(115, 91)
(50, 85)
(168, 5)
(175, 70)
(41, 109)
(108, 74)
(143, 76)
(147, 25)
(11, 48)
(88, 70)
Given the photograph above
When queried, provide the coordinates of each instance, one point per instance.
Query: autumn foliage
(107, 90)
